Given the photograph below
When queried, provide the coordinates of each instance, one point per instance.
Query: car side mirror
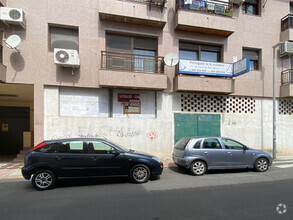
(115, 152)
(244, 148)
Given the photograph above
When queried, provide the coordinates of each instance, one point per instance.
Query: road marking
(11, 177)
(284, 166)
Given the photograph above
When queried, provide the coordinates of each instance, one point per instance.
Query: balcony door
(144, 61)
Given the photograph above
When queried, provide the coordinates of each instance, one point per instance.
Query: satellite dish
(12, 42)
(171, 59)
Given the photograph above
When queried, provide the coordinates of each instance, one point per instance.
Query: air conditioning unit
(286, 48)
(66, 58)
(13, 16)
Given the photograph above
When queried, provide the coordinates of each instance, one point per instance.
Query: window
(182, 143)
(139, 53)
(230, 144)
(71, 147)
(49, 148)
(211, 144)
(209, 53)
(251, 7)
(64, 38)
(99, 147)
(197, 145)
(254, 58)
(291, 7)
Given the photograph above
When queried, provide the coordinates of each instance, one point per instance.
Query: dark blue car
(86, 157)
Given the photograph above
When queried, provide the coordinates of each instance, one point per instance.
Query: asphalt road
(176, 195)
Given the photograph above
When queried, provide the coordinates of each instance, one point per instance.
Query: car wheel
(43, 179)
(140, 173)
(198, 168)
(261, 165)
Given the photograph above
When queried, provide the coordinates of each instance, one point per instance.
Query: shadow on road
(184, 171)
(97, 181)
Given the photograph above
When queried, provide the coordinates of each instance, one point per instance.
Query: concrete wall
(153, 135)
(156, 135)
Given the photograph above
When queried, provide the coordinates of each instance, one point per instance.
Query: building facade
(96, 68)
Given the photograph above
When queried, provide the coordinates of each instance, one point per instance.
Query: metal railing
(219, 7)
(131, 62)
(287, 76)
(287, 22)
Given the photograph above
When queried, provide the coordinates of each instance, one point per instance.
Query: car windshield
(181, 144)
(121, 147)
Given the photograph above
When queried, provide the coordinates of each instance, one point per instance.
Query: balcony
(287, 83)
(287, 28)
(140, 12)
(121, 70)
(217, 85)
(206, 17)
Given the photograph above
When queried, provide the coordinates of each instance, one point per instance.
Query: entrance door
(13, 122)
(187, 125)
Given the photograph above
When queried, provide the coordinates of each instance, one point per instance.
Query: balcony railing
(287, 22)
(219, 7)
(287, 76)
(132, 62)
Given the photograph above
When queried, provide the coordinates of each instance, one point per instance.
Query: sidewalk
(10, 169)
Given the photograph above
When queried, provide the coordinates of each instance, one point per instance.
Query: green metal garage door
(196, 125)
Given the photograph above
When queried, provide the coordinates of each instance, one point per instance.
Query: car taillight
(38, 146)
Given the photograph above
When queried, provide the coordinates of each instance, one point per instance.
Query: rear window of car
(181, 144)
(49, 148)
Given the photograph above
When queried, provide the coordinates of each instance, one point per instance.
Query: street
(235, 194)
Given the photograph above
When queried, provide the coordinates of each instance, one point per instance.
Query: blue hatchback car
(206, 153)
(83, 158)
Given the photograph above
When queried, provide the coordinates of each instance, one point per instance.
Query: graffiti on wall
(152, 135)
(122, 133)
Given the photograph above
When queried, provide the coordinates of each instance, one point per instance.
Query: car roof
(76, 139)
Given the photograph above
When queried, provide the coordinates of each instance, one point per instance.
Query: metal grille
(14, 14)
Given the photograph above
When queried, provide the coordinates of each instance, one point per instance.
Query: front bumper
(26, 173)
(157, 170)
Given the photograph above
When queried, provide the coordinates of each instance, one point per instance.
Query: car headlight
(157, 159)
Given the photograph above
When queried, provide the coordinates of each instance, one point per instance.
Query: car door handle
(229, 153)
(206, 153)
(94, 158)
(59, 157)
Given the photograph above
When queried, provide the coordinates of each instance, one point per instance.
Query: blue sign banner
(241, 66)
(195, 67)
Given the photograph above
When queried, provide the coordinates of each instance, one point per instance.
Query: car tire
(43, 179)
(198, 168)
(140, 173)
(261, 165)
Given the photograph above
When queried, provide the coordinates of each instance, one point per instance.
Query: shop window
(251, 7)
(209, 53)
(254, 58)
(65, 38)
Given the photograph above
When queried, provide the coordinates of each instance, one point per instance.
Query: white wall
(152, 135)
(156, 135)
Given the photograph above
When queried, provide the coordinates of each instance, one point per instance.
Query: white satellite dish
(12, 42)
(171, 59)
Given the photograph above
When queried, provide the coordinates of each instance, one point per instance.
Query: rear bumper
(179, 161)
(26, 173)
